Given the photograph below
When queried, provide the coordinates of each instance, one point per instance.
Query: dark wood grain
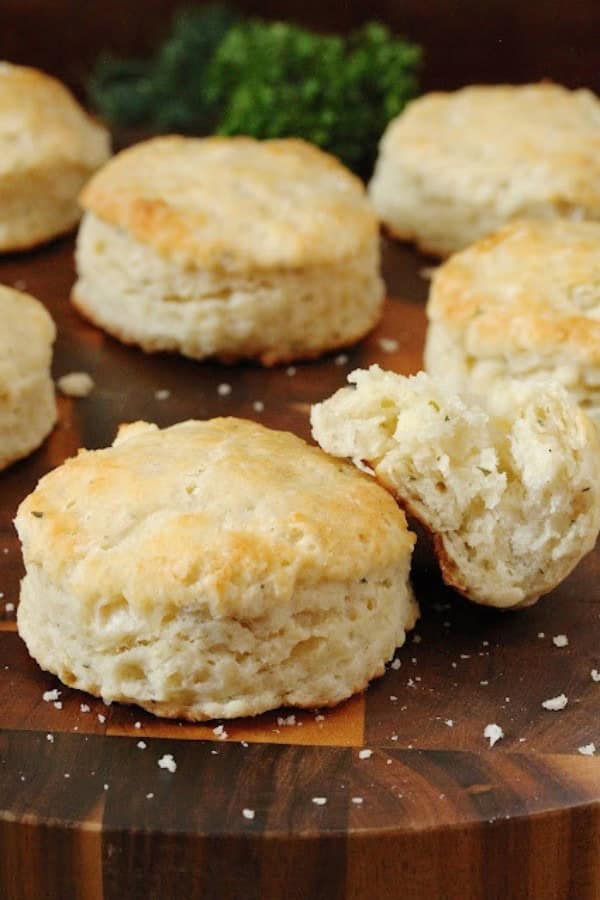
(442, 815)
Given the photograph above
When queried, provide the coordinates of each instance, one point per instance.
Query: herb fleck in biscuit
(229, 247)
(512, 501)
(213, 569)
(48, 149)
(455, 166)
(27, 404)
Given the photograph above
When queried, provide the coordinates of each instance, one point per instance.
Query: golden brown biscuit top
(541, 138)
(42, 123)
(224, 514)
(27, 333)
(531, 286)
(235, 203)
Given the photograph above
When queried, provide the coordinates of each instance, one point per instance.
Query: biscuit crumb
(76, 384)
(560, 640)
(388, 345)
(220, 733)
(162, 394)
(319, 801)
(595, 675)
(396, 663)
(290, 371)
(51, 696)
(493, 733)
(50, 738)
(224, 389)
(167, 762)
(357, 801)
(84, 708)
(555, 703)
(150, 796)
(9, 607)
(258, 406)
(248, 814)
(587, 749)
(141, 745)
(365, 754)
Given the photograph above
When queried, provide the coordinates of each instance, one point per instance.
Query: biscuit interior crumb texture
(27, 404)
(229, 247)
(521, 303)
(512, 501)
(48, 149)
(454, 167)
(213, 569)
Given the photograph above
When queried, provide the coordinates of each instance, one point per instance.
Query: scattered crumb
(388, 345)
(319, 718)
(76, 384)
(417, 638)
(396, 664)
(258, 406)
(9, 607)
(560, 640)
(142, 745)
(67, 775)
(595, 675)
(220, 733)
(449, 723)
(51, 696)
(248, 814)
(394, 737)
(162, 394)
(84, 707)
(244, 744)
(50, 738)
(290, 371)
(484, 683)
(341, 359)
(555, 703)
(357, 800)
(465, 656)
(493, 733)
(137, 724)
(150, 796)
(286, 720)
(167, 762)
(101, 718)
(427, 272)
(393, 698)
(587, 749)
(365, 754)
(57, 704)
(319, 801)
(224, 389)
(389, 761)
(105, 786)
(541, 634)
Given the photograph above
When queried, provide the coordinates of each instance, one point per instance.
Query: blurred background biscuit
(27, 405)
(49, 148)
(455, 166)
(522, 303)
(229, 247)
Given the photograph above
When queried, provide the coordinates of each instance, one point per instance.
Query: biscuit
(229, 247)
(522, 303)
(512, 501)
(213, 569)
(27, 404)
(454, 167)
(49, 148)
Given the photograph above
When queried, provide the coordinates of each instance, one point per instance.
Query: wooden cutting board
(432, 812)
